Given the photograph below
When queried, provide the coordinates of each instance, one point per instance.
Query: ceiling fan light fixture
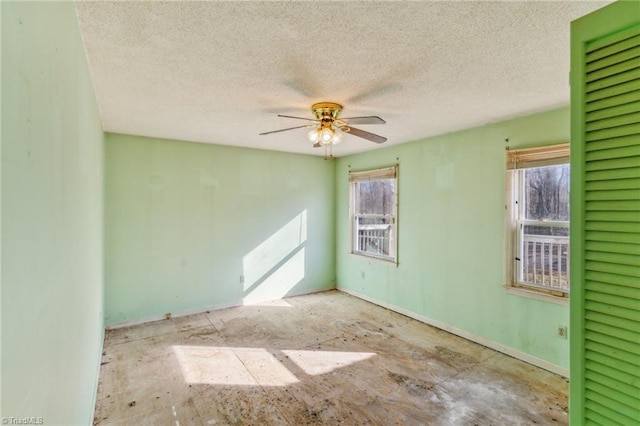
(326, 135)
(337, 137)
(329, 129)
(313, 135)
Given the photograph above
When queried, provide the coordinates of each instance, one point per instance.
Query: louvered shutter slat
(598, 393)
(619, 152)
(595, 418)
(615, 111)
(605, 256)
(613, 185)
(621, 323)
(612, 46)
(614, 194)
(612, 216)
(614, 226)
(605, 329)
(630, 375)
(613, 101)
(612, 206)
(608, 288)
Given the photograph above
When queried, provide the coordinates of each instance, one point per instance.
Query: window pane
(546, 193)
(375, 197)
(374, 235)
(545, 256)
(556, 231)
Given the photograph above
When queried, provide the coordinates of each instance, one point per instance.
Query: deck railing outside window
(374, 239)
(544, 259)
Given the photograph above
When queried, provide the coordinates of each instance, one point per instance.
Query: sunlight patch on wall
(232, 366)
(277, 265)
(322, 362)
(280, 281)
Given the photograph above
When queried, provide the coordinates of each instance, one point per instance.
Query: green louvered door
(605, 236)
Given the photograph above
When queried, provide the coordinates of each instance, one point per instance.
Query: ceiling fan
(328, 129)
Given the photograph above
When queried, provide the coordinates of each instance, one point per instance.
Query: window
(538, 219)
(373, 209)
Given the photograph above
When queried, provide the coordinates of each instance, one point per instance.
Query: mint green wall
(185, 221)
(451, 235)
(52, 178)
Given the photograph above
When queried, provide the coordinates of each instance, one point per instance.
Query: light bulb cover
(326, 135)
(313, 135)
(337, 137)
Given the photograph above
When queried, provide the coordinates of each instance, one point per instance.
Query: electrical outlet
(561, 331)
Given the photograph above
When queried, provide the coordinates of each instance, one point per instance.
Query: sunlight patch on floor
(256, 366)
(322, 362)
(232, 366)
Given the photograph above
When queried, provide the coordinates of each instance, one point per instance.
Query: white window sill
(562, 301)
(370, 258)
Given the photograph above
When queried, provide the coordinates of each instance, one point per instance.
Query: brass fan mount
(327, 113)
(326, 110)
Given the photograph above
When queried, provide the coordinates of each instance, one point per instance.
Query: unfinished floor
(323, 358)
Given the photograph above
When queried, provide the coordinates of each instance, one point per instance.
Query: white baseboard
(95, 390)
(177, 314)
(538, 362)
(194, 311)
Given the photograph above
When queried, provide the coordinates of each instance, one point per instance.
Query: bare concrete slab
(323, 358)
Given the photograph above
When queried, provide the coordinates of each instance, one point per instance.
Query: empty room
(287, 213)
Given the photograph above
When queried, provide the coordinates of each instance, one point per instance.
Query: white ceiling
(220, 72)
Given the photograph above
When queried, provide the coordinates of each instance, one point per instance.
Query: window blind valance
(537, 157)
(386, 173)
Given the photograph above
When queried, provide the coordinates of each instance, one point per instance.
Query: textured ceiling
(220, 72)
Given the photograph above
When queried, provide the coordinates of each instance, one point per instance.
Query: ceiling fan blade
(317, 145)
(373, 119)
(299, 118)
(365, 135)
(288, 128)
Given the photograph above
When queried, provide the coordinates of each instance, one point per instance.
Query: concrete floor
(323, 358)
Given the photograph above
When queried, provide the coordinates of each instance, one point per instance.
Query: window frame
(517, 161)
(372, 175)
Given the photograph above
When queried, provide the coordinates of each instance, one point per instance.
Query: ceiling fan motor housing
(326, 110)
